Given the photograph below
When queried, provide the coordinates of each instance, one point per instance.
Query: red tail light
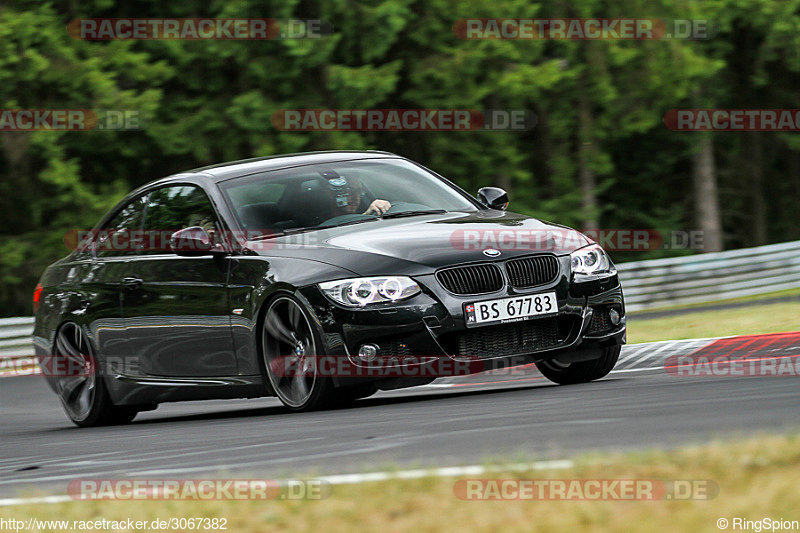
(37, 296)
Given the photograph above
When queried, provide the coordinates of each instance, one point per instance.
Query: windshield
(340, 193)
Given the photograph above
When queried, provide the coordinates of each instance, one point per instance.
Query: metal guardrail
(15, 337)
(710, 277)
(647, 284)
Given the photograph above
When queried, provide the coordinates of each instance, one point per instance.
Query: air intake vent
(532, 271)
(601, 322)
(471, 279)
(509, 339)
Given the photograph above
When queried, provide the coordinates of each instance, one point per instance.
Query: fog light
(613, 314)
(367, 352)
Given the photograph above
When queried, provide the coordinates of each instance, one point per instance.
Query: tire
(79, 385)
(580, 372)
(289, 347)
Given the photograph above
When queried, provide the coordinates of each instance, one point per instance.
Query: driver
(349, 198)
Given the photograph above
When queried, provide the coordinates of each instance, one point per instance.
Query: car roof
(243, 167)
(232, 169)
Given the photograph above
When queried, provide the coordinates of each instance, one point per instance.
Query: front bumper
(431, 326)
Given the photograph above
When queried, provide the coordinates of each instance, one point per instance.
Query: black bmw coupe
(318, 278)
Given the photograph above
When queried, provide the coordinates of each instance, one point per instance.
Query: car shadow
(279, 411)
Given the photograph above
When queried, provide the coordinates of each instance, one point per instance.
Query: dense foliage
(599, 155)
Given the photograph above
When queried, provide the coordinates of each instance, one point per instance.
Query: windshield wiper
(350, 223)
(277, 234)
(294, 231)
(415, 213)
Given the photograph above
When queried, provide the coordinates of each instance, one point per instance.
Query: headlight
(590, 260)
(359, 292)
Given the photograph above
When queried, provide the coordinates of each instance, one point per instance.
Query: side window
(174, 208)
(119, 235)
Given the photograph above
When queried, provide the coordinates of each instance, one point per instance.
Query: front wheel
(290, 352)
(582, 371)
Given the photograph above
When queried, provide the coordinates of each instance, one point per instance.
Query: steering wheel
(399, 207)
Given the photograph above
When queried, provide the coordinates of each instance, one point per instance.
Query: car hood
(424, 243)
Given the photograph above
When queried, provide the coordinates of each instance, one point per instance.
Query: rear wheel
(290, 357)
(582, 371)
(80, 387)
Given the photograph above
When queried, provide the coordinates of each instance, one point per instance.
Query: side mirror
(191, 242)
(493, 198)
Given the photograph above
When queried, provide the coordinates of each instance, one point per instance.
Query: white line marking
(21, 374)
(452, 471)
(7, 502)
(142, 458)
(688, 340)
(637, 369)
(368, 477)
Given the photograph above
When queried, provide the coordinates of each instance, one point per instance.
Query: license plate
(512, 309)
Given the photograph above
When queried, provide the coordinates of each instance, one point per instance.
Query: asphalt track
(645, 402)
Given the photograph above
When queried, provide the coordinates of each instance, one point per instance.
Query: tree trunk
(586, 174)
(504, 182)
(706, 198)
(794, 177)
(759, 213)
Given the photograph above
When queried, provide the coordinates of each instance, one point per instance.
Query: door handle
(132, 283)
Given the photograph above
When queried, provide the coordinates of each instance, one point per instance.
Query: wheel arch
(283, 291)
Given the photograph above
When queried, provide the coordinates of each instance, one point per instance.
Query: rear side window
(119, 233)
(174, 208)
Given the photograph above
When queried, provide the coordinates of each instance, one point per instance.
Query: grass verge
(756, 479)
(767, 318)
